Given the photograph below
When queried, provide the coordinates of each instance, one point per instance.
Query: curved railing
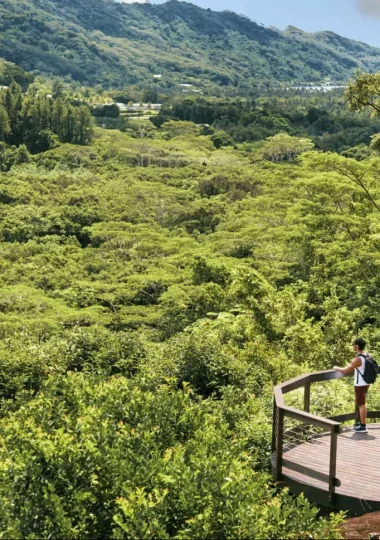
(331, 426)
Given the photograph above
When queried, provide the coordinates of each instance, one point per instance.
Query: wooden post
(274, 422)
(333, 454)
(279, 444)
(306, 406)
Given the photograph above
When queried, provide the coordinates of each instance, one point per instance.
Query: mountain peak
(120, 42)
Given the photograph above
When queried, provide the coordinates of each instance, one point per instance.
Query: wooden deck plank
(357, 467)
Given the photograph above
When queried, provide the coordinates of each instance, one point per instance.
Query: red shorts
(360, 394)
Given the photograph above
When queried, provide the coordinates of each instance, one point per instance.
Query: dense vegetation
(10, 73)
(156, 284)
(37, 123)
(135, 303)
(322, 117)
(101, 41)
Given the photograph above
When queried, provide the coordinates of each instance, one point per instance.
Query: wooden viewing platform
(331, 465)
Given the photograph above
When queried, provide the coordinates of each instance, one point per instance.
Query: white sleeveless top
(358, 380)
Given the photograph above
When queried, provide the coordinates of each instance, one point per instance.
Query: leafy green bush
(123, 459)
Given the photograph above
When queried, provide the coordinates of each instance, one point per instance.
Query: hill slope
(101, 41)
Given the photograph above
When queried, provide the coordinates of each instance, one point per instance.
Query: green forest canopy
(154, 290)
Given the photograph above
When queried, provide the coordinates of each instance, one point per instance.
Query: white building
(139, 107)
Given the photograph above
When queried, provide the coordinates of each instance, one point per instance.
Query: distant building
(157, 76)
(139, 107)
(154, 106)
(186, 85)
(193, 91)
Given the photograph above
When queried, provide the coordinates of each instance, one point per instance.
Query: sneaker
(358, 424)
(361, 429)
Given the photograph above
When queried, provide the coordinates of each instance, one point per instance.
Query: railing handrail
(309, 378)
(305, 417)
(313, 419)
(298, 382)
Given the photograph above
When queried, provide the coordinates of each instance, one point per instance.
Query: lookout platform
(332, 465)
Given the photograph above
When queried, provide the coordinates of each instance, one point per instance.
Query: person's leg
(357, 407)
(357, 412)
(363, 414)
(360, 395)
(363, 407)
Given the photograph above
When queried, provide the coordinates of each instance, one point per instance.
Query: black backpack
(371, 369)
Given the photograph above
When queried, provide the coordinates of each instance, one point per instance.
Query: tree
(58, 88)
(4, 124)
(364, 92)
(45, 140)
(13, 105)
(142, 129)
(150, 95)
(22, 155)
(83, 130)
(175, 128)
(283, 147)
(221, 138)
(58, 113)
(10, 72)
(111, 111)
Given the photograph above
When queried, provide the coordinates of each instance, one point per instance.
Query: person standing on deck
(361, 387)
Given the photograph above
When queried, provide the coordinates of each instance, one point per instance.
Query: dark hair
(360, 342)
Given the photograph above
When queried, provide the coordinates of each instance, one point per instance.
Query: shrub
(127, 459)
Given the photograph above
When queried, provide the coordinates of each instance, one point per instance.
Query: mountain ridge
(116, 44)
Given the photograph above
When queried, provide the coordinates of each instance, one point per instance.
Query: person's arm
(356, 363)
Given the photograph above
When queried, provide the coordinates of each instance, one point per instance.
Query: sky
(356, 19)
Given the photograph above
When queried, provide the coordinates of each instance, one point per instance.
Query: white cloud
(369, 7)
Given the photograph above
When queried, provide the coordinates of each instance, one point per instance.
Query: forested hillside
(156, 283)
(101, 41)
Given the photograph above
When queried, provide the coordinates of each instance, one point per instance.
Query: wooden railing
(331, 426)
